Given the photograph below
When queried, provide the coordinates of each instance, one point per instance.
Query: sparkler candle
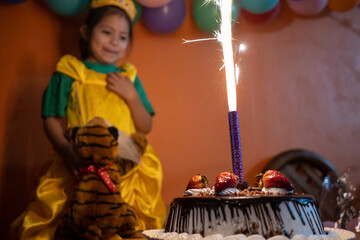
(236, 145)
(226, 40)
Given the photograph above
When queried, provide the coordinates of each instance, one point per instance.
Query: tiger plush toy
(97, 210)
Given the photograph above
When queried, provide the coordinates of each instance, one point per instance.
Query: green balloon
(69, 8)
(207, 15)
(138, 8)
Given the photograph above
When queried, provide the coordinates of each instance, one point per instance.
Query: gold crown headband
(127, 5)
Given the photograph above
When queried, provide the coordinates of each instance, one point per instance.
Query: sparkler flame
(225, 38)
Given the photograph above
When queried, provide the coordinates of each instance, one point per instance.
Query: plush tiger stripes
(98, 210)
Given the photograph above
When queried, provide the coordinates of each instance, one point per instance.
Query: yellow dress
(141, 187)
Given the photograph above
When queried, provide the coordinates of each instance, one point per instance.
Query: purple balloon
(165, 19)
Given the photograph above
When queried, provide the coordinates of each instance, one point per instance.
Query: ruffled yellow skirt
(141, 188)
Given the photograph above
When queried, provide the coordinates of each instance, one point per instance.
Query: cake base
(287, 215)
(331, 234)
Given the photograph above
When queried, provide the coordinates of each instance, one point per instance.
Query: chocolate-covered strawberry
(225, 180)
(198, 181)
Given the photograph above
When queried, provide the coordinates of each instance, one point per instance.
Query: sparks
(242, 48)
(237, 73)
(198, 40)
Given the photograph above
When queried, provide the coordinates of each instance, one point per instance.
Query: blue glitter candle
(236, 145)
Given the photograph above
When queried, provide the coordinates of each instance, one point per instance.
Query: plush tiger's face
(96, 144)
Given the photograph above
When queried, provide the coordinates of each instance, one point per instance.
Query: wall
(299, 88)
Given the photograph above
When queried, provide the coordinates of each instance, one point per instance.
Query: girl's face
(109, 39)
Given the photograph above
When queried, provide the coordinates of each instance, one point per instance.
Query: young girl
(80, 90)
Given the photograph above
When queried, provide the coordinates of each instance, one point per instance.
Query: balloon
(342, 5)
(263, 17)
(138, 8)
(207, 16)
(258, 6)
(307, 7)
(69, 8)
(14, 1)
(153, 3)
(165, 19)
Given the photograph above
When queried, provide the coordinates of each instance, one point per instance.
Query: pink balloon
(262, 17)
(307, 7)
(153, 3)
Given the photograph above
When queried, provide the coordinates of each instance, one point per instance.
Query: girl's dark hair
(93, 18)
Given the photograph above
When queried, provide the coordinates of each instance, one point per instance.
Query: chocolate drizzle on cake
(264, 215)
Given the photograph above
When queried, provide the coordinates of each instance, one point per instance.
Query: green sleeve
(55, 96)
(140, 89)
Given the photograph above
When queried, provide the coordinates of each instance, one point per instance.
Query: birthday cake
(231, 209)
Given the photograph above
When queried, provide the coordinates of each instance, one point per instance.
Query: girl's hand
(121, 85)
